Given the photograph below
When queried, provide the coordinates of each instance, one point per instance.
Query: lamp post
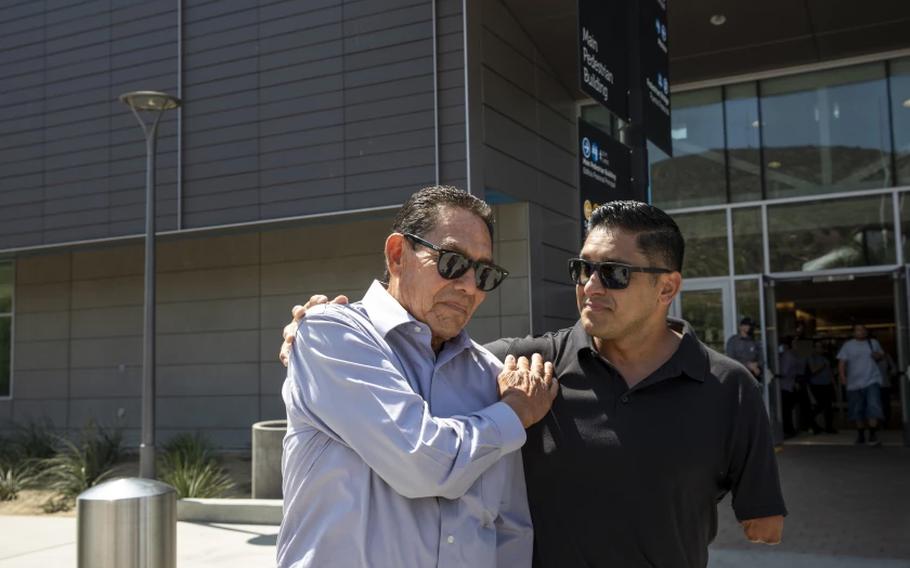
(152, 104)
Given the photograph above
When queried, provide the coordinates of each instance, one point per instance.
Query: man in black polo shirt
(651, 428)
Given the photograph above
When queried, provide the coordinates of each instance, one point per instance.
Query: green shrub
(35, 441)
(78, 466)
(188, 464)
(14, 478)
(27, 445)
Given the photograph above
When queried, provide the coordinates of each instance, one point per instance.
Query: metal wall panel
(529, 154)
(290, 108)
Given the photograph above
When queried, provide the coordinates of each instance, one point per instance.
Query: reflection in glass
(604, 120)
(904, 206)
(747, 242)
(900, 115)
(6, 287)
(706, 243)
(743, 142)
(704, 310)
(748, 302)
(5, 346)
(831, 234)
(695, 175)
(826, 131)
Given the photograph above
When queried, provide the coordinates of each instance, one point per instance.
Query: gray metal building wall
(291, 108)
(528, 152)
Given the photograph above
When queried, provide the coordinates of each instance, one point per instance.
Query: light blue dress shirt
(396, 457)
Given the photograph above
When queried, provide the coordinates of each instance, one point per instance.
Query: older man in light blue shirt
(400, 451)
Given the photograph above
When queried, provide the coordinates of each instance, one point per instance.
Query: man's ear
(394, 250)
(669, 285)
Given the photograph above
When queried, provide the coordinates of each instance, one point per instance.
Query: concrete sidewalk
(50, 542)
(849, 508)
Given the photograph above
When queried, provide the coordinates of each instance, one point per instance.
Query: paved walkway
(50, 542)
(849, 508)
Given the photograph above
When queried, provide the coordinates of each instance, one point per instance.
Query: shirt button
(625, 398)
(416, 329)
(451, 539)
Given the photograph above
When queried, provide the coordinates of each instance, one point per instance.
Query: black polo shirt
(621, 477)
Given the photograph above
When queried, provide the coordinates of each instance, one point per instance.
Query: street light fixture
(153, 104)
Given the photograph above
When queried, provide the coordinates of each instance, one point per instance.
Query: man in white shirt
(857, 366)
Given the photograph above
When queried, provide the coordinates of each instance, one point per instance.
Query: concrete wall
(222, 302)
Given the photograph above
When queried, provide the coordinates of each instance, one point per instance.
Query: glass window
(6, 346)
(6, 287)
(826, 131)
(604, 119)
(748, 257)
(904, 206)
(695, 175)
(748, 303)
(706, 243)
(900, 115)
(6, 326)
(743, 142)
(704, 310)
(831, 234)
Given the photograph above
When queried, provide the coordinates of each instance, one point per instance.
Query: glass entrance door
(708, 307)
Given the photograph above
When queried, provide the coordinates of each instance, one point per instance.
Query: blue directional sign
(604, 169)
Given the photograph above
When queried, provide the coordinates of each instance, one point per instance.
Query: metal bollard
(127, 523)
(268, 439)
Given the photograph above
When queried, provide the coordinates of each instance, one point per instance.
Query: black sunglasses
(452, 265)
(613, 275)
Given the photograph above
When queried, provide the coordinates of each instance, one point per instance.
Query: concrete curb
(238, 511)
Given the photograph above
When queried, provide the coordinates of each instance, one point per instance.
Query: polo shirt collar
(387, 314)
(690, 359)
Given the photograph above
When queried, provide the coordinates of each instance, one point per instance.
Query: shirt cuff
(509, 426)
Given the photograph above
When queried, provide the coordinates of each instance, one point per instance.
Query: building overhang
(754, 36)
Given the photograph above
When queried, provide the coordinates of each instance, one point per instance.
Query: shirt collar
(689, 360)
(691, 357)
(387, 314)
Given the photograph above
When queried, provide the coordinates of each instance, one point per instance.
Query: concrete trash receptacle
(268, 439)
(127, 523)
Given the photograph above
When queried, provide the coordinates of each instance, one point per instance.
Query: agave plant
(34, 441)
(78, 466)
(13, 479)
(188, 464)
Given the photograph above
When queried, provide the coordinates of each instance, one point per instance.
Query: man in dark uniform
(650, 428)
(744, 348)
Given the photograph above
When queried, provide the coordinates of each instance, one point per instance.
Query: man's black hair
(656, 233)
(420, 213)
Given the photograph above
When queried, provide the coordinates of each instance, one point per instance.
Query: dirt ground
(30, 501)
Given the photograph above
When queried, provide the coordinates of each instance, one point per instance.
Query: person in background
(822, 387)
(858, 369)
(791, 367)
(743, 347)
